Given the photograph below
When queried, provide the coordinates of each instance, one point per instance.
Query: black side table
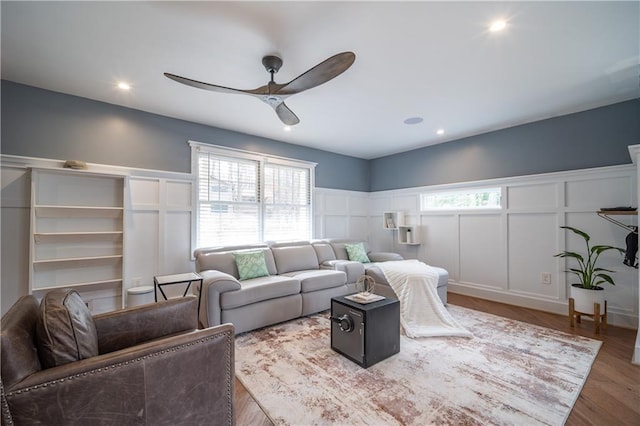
(189, 277)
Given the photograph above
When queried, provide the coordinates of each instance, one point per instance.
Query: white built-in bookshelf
(77, 230)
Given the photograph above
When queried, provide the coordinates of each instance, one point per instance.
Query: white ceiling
(436, 60)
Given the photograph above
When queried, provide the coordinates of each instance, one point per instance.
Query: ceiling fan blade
(286, 115)
(321, 73)
(214, 88)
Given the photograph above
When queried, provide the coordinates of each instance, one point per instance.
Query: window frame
(461, 191)
(263, 160)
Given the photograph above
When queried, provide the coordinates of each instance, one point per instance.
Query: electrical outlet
(545, 278)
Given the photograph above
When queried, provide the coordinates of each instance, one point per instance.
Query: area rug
(510, 373)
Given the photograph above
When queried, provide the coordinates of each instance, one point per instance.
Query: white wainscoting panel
(144, 192)
(406, 203)
(359, 228)
(341, 214)
(439, 242)
(177, 243)
(142, 248)
(532, 236)
(606, 191)
(178, 194)
(337, 204)
(533, 197)
(481, 250)
(335, 226)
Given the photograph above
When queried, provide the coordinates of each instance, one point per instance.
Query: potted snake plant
(587, 290)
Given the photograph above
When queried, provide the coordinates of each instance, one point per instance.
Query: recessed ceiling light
(497, 26)
(413, 120)
(440, 131)
(123, 86)
(287, 128)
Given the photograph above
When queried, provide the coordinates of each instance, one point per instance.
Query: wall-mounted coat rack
(606, 215)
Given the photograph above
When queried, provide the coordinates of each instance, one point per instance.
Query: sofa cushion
(314, 280)
(259, 289)
(356, 252)
(223, 260)
(295, 258)
(339, 249)
(324, 252)
(65, 329)
(250, 264)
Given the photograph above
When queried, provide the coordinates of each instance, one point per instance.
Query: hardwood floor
(610, 396)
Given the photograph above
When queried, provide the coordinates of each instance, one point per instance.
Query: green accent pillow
(251, 264)
(356, 252)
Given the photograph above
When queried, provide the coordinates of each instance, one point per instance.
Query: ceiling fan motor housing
(272, 63)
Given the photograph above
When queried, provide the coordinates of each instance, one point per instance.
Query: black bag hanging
(632, 248)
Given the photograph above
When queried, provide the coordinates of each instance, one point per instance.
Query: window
(246, 197)
(485, 198)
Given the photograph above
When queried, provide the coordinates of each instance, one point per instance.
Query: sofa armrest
(214, 283)
(383, 256)
(184, 379)
(352, 269)
(132, 326)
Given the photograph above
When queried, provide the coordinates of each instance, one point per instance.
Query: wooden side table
(188, 278)
(598, 319)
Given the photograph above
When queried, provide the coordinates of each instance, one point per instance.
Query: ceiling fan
(273, 93)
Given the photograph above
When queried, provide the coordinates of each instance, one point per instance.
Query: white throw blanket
(422, 313)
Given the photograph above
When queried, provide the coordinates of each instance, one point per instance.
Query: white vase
(583, 299)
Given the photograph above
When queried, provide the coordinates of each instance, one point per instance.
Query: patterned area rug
(510, 372)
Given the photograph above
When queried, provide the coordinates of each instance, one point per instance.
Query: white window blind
(229, 205)
(287, 202)
(246, 198)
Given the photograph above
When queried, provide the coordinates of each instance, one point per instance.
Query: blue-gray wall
(593, 138)
(41, 123)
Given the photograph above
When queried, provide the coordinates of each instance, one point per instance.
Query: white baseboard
(552, 306)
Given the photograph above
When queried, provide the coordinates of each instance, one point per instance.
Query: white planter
(584, 299)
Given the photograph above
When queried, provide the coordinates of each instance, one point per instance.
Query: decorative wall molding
(500, 255)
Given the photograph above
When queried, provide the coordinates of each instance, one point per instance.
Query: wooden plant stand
(597, 318)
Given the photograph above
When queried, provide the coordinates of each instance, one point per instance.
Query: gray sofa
(303, 277)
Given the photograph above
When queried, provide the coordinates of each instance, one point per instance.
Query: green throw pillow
(357, 252)
(251, 264)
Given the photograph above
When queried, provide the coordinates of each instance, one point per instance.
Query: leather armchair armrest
(132, 326)
(352, 269)
(214, 284)
(184, 379)
(383, 256)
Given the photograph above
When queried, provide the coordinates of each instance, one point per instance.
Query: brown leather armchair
(153, 367)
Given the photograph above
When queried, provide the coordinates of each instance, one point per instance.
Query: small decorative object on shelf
(409, 236)
(390, 223)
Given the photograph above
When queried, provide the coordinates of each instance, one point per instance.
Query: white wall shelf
(408, 235)
(392, 220)
(77, 233)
